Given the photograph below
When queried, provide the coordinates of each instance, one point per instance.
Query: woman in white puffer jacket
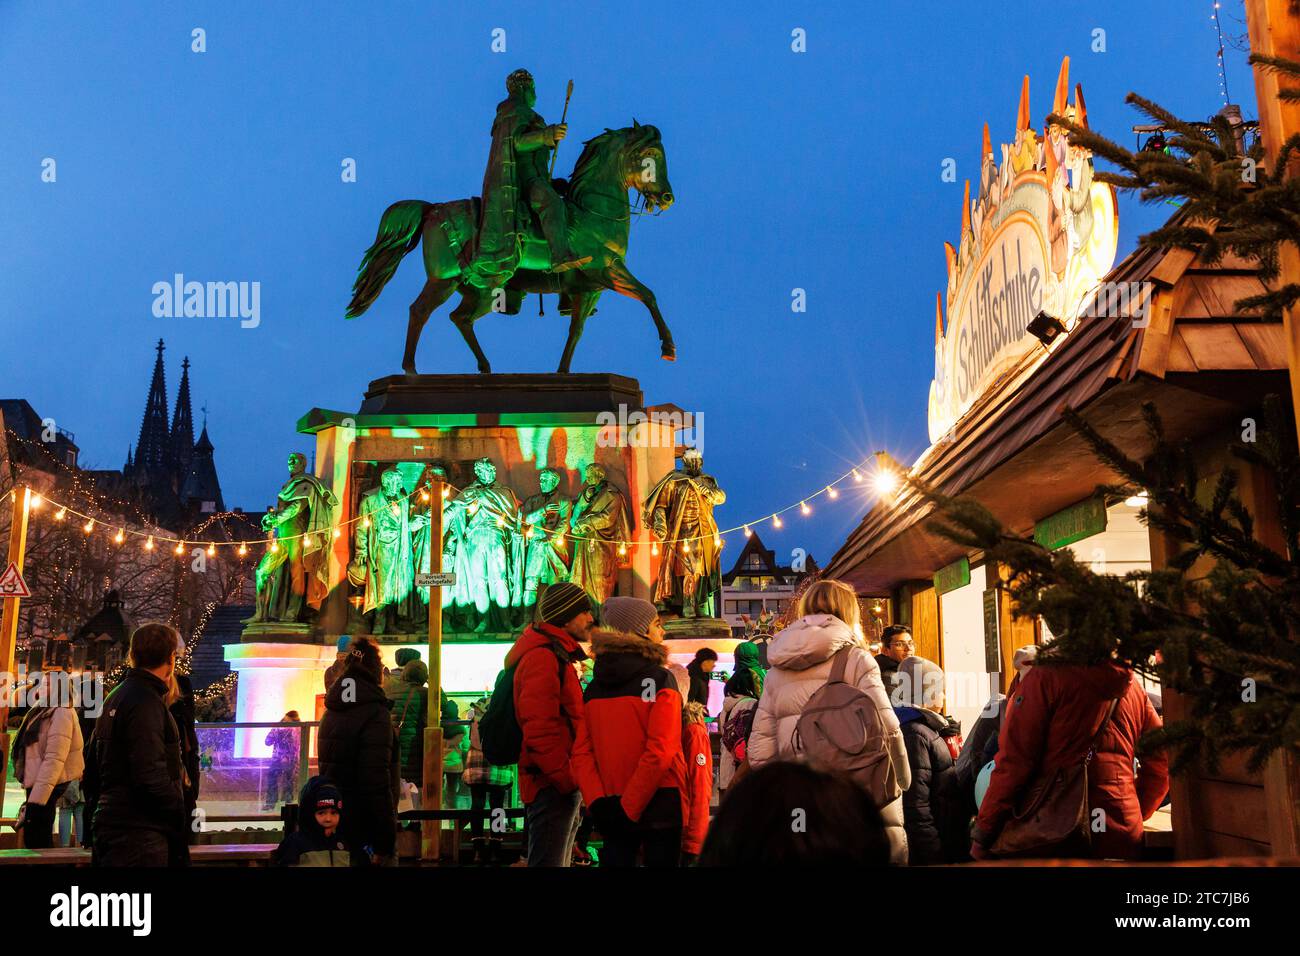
(52, 755)
(800, 659)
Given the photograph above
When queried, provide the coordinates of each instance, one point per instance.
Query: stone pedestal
(523, 423)
(274, 677)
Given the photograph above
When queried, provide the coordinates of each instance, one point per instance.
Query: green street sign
(953, 576)
(1072, 524)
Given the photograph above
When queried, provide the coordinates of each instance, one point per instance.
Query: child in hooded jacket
(316, 842)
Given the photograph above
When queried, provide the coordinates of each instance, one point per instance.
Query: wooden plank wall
(1230, 811)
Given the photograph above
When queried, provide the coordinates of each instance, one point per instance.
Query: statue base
(696, 627)
(287, 632)
(498, 394)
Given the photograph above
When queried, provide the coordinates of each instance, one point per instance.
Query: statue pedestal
(522, 423)
(274, 677)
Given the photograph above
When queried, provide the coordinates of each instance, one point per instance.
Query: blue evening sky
(818, 170)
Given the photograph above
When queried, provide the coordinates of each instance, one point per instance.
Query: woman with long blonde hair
(826, 635)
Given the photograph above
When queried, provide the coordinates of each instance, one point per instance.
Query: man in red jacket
(548, 706)
(628, 758)
(1050, 723)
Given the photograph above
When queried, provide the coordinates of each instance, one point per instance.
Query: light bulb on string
(60, 514)
(35, 502)
(275, 545)
(857, 475)
(748, 533)
(366, 523)
(832, 492)
(622, 548)
(804, 509)
(654, 548)
(89, 526)
(120, 536)
(337, 533)
(424, 495)
(212, 550)
(717, 541)
(180, 547)
(686, 547)
(446, 492)
(776, 521)
(148, 545)
(243, 549)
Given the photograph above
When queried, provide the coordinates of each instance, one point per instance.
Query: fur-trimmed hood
(604, 642)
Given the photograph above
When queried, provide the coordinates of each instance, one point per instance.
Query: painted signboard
(1039, 238)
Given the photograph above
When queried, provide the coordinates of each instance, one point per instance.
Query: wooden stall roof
(1012, 450)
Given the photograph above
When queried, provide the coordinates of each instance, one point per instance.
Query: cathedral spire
(182, 434)
(151, 451)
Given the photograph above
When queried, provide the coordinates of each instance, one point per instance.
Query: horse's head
(645, 166)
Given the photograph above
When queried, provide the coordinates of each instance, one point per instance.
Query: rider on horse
(515, 181)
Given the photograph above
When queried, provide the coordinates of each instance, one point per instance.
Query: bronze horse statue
(599, 216)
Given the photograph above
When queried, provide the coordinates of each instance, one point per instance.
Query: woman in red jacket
(628, 755)
(1051, 721)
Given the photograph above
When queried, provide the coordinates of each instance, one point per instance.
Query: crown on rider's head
(518, 80)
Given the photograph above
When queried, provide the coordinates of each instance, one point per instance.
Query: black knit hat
(562, 602)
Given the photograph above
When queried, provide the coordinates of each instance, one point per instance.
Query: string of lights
(1223, 74)
(884, 476)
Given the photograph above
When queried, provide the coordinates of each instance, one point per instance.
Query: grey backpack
(840, 730)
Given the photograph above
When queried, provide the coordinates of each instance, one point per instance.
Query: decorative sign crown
(1040, 237)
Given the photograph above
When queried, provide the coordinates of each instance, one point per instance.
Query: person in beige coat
(800, 659)
(52, 757)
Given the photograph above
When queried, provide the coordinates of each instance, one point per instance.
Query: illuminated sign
(1040, 237)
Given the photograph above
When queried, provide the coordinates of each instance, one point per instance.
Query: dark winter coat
(630, 747)
(183, 713)
(135, 765)
(359, 754)
(410, 717)
(548, 707)
(926, 803)
(1050, 723)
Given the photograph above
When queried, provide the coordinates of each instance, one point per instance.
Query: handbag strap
(840, 664)
(406, 708)
(1101, 731)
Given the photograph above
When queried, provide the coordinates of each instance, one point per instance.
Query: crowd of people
(829, 753)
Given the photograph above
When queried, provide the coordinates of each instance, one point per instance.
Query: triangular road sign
(12, 584)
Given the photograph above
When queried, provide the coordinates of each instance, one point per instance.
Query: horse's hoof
(668, 352)
(409, 369)
(485, 369)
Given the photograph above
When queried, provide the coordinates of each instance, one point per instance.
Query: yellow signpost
(431, 794)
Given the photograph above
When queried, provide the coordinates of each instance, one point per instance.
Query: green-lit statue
(383, 556)
(492, 250)
(546, 520)
(517, 181)
(483, 546)
(293, 576)
(679, 512)
(600, 530)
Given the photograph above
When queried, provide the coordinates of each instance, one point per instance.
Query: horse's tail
(400, 229)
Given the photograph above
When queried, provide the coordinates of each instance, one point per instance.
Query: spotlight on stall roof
(1046, 328)
(1138, 500)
